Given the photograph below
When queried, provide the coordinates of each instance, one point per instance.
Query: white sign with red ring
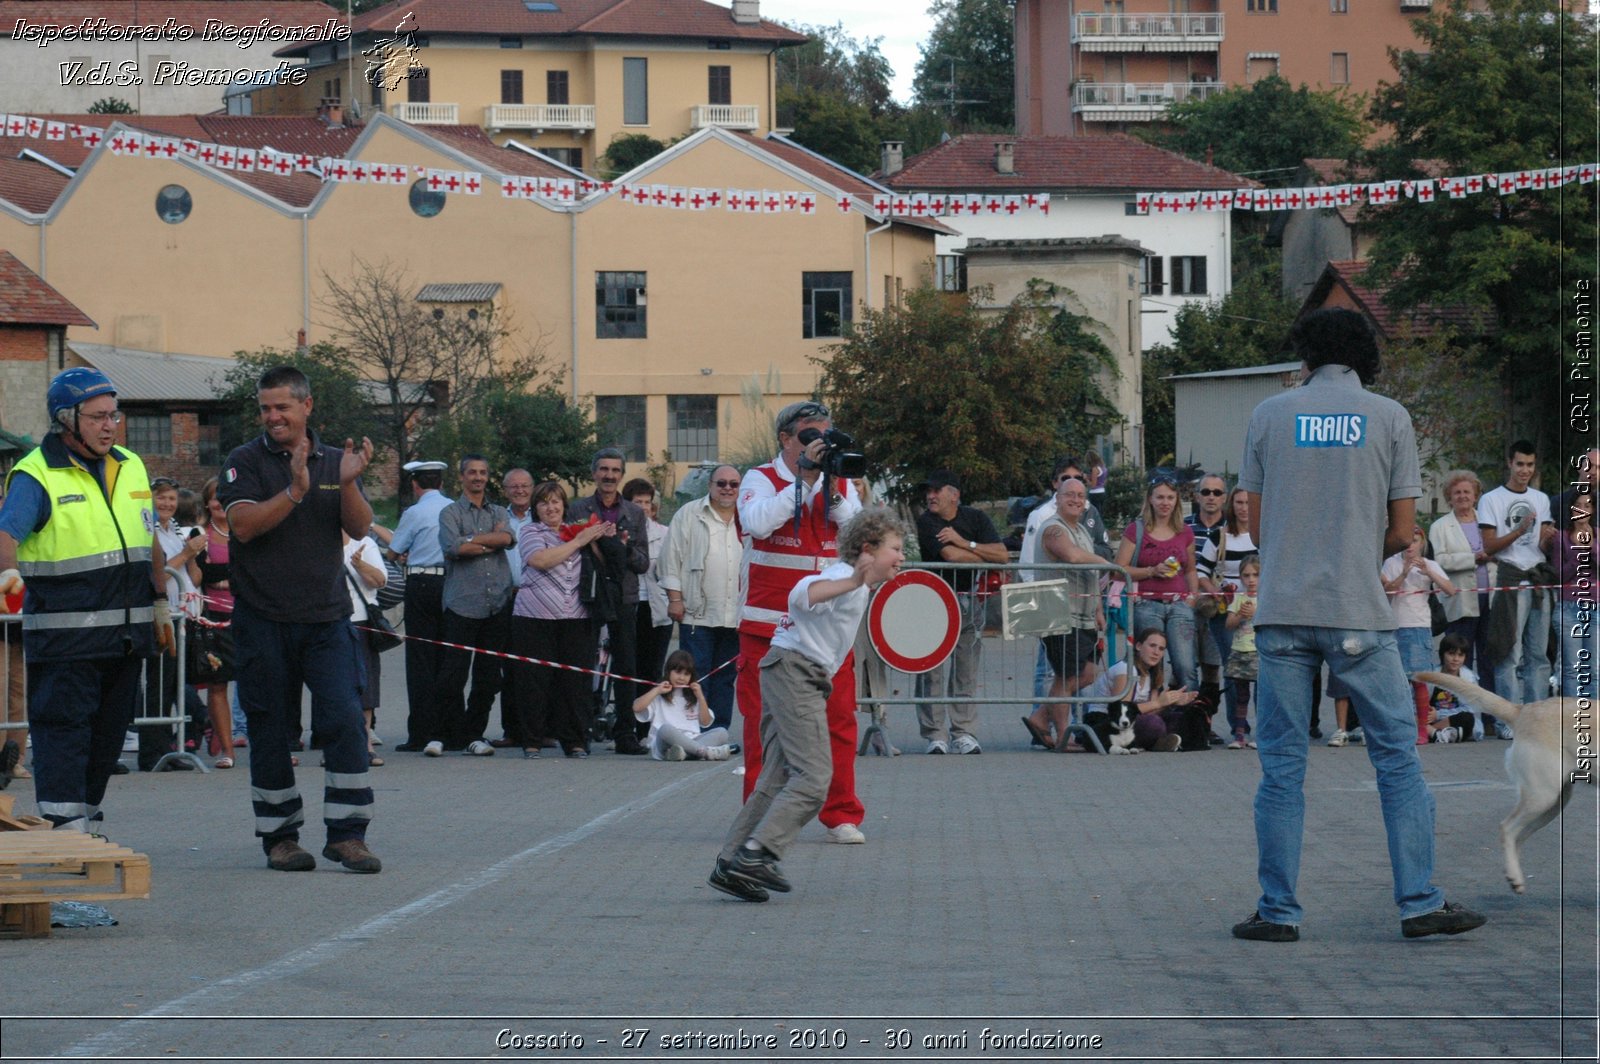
(914, 621)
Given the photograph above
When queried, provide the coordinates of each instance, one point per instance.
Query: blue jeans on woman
(1577, 651)
(1369, 665)
(1176, 621)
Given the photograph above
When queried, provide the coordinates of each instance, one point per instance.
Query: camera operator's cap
(941, 478)
(425, 467)
(801, 411)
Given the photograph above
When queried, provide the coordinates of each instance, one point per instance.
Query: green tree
(342, 404)
(1247, 327)
(837, 65)
(1268, 125)
(1455, 426)
(628, 150)
(536, 429)
(1508, 88)
(967, 64)
(940, 383)
(833, 126)
(111, 105)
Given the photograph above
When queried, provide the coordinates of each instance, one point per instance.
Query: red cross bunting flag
(55, 131)
(16, 125)
(699, 199)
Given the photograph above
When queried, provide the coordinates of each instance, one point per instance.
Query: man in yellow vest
(78, 526)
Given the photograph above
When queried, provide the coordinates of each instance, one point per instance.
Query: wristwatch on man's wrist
(972, 544)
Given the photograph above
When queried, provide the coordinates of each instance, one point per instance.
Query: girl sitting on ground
(677, 711)
(1160, 709)
(1451, 720)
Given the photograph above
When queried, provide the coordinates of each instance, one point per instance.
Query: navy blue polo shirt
(294, 572)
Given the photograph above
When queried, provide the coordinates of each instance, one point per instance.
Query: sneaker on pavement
(479, 748)
(718, 753)
(1339, 738)
(673, 753)
(1258, 929)
(629, 744)
(1169, 743)
(965, 744)
(433, 749)
(1316, 732)
(1358, 736)
(1502, 730)
(287, 855)
(742, 889)
(1453, 919)
(848, 834)
(354, 855)
(1447, 735)
(372, 737)
(760, 868)
(1237, 743)
(938, 746)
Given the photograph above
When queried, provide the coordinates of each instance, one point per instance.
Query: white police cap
(424, 467)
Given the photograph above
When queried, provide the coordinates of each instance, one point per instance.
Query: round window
(425, 202)
(173, 204)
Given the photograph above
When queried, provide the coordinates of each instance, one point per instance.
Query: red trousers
(842, 806)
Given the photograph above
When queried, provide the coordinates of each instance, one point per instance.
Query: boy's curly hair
(867, 529)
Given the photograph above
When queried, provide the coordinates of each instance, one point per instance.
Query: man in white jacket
(699, 569)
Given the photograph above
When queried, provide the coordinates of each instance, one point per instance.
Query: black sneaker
(742, 889)
(630, 744)
(1257, 929)
(1453, 919)
(758, 867)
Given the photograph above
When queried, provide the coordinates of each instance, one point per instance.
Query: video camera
(837, 458)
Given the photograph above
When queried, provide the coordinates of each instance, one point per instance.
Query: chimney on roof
(893, 157)
(331, 112)
(747, 12)
(1005, 157)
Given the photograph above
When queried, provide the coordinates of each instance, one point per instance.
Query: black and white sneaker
(1453, 919)
(733, 886)
(758, 867)
(1259, 929)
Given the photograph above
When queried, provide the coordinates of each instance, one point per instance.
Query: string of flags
(559, 191)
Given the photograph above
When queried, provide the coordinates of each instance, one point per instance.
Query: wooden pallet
(10, 820)
(40, 867)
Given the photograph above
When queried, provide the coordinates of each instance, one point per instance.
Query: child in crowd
(677, 712)
(813, 637)
(1451, 720)
(1240, 670)
(1407, 577)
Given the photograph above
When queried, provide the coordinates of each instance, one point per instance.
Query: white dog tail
(1483, 701)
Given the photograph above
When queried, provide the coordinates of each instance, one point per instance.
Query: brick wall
(24, 378)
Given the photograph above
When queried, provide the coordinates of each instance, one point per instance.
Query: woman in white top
(1457, 544)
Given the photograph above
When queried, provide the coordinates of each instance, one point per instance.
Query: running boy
(811, 642)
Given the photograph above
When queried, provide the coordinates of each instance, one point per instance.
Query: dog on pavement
(1114, 728)
(1542, 761)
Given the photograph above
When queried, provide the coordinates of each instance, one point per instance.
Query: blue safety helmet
(76, 386)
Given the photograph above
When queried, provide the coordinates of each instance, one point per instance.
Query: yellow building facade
(720, 316)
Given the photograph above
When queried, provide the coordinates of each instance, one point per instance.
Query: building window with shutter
(555, 87)
(620, 422)
(719, 88)
(1151, 281)
(1188, 275)
(1339, 69)
(636, 92)
(692, 428)
(150, 433)
(418, 89)
(510, 86)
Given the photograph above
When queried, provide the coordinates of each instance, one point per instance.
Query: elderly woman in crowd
(1457, 543)
(1165, 571)
(1065, 538)
(550, 622)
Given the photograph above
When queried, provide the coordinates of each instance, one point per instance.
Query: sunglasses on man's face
(1212, 491)
(726, 483)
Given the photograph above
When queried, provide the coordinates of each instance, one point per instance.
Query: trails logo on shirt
(1330, 430)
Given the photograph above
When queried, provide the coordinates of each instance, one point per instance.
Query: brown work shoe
(287, 855)
(354, 855)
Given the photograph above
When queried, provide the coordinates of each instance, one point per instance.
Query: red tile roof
(825, 169)
(1058, 163)
(29, 184)
(1424, 320)
(188, 13)
(573, 18)
(25, 299)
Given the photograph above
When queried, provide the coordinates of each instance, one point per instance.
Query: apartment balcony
(1135, 101)
(1155, 32)
(428, 114)
(726, 115)
(539, 116)
(1415, 5)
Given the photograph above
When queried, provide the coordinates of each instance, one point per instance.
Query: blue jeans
(1577, 650)
(711, 647)
(1176, 620)
(1524, 674)
(1220, 635)
(1369, 664)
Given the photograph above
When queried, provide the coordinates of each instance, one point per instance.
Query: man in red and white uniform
(782, 550)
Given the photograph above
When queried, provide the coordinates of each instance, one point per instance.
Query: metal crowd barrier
(179, 719)
(1009, 661)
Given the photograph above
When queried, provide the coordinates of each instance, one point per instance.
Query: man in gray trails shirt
(1331, 471)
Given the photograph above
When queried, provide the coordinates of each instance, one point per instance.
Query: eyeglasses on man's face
(726, 483)
(110, 417)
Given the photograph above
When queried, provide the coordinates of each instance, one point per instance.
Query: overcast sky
(903, 24)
